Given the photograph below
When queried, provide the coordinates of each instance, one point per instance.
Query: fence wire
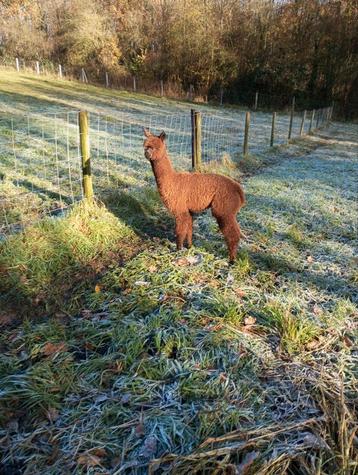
(40, 156)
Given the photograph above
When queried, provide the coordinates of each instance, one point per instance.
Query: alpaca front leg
(180, 231)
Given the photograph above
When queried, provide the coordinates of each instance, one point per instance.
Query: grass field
(120, 355)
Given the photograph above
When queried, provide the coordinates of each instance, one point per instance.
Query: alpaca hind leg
(189, 232)
(231, 231)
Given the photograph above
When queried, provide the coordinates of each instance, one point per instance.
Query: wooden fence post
(37, 67)
(17, 64)
(221, 96)
(85, 155)
(107, 79)
(161, 88)
(195, 140)
(246, 136)
(291, 118)
(256, 100)
(60, 70)
(273, 129)
(311, 121)
(318, 118)
(303, 123)
(84, 76)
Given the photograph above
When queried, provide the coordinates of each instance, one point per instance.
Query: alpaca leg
(189, 231)
(181, 226)
(231, 231)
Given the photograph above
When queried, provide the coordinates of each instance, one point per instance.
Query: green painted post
(85, 155)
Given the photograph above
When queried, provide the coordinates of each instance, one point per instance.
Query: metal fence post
(85, 155)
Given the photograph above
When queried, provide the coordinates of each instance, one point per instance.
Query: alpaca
(186, 193)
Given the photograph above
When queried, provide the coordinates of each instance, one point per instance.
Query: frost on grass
(179, 363)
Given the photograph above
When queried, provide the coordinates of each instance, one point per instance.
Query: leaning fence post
(303, 123)
(17, 64)
(60, 70)
(291, 118)
(246, 136)
(195, 140)
(273, 129)
(85, 155)
(256, 100)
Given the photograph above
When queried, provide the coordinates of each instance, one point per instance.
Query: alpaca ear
(146, 132)
(163, 136)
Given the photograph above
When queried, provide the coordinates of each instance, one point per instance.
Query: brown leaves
(248, 459)
(188, 261)
(249, 321)
(92, 457)
(50, 349)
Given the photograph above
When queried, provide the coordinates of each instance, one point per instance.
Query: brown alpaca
(186, 193)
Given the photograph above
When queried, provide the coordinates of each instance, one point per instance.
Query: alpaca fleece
(185, 193)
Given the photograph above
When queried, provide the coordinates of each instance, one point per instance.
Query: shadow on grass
(142, 211)
(52, 266)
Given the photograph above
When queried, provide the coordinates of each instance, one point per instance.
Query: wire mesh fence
(40, 154)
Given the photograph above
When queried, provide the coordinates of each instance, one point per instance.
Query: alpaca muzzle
(148, 153)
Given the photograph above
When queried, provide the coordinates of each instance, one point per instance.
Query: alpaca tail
(240, 190)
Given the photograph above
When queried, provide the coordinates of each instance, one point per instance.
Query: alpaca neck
(163, 172)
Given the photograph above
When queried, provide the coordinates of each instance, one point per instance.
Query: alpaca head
(154, 147)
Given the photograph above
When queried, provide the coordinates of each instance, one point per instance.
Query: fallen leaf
(248, 321)
(312, 345)
(141, 283)
(52, 348)
(247, 461)
(188, 261)
(88, 460)
(150, 447)
(52, 414)
(139, 430)
(152, 269)
(317, 310)
(347, 341)
(193, 260)
(125, 399)
(97, 288)
(182, 261)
